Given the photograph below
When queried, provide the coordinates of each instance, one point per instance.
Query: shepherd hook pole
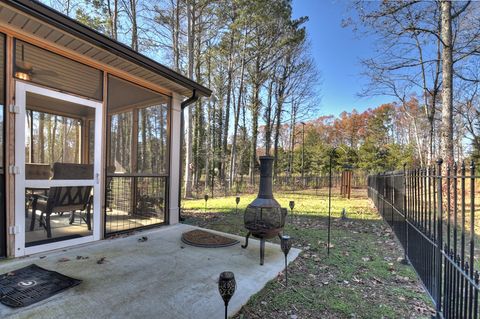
(329, 202)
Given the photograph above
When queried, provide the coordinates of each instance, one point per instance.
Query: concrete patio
(159, 278)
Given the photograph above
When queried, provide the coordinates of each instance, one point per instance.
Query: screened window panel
(52, 138)
(120, 154)
(152, 140)
(137, 156)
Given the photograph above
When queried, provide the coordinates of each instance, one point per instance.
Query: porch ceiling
(37, 20)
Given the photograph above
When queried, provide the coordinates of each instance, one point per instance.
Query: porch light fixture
(23, 76)
(226, 287)
(286, 244)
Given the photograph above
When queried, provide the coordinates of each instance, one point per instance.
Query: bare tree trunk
(292, 139)
(278, 116)
(41, 137)
(429, 111)
(144, 141)
(77, 158)
(64, 141)
(113, 18)
(447, 83)
(189, 135)
(176, 36)
(268, 120)
(255, 113)
(133, 18)
(198, 115)
(227, 110)
(209, 152)
(233, 157)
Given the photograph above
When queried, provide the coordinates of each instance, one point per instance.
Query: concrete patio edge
(162, 277)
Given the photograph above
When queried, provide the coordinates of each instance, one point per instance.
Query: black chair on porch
(63, 199)
(36, 172)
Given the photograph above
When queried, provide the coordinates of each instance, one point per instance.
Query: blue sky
(337, 52)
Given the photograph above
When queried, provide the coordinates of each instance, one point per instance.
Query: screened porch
(61, 135)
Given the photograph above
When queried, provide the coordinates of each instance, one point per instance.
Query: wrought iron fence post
(439, 241)
(329, 202)
(404, 209)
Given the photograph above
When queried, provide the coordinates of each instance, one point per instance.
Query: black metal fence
(280, 183)
(432, 213)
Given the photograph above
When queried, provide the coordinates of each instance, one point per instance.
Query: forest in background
(256, 59)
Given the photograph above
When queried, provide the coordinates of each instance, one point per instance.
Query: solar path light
(226, 287)
(206, 200)
(286, 244)
(292, 206)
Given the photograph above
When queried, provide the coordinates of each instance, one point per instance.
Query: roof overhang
(40, 21)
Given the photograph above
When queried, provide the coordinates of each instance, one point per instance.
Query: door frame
(21, 89)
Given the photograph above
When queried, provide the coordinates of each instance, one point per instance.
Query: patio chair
(63, 199)
(36, 171)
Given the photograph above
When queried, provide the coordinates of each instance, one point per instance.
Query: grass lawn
(362, 278)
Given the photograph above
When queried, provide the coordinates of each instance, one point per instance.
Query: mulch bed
(201, 238)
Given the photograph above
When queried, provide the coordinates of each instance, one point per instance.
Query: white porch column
(175, 127)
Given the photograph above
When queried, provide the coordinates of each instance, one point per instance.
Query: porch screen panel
(152, 150)
(53, 138)
(57, 143)
(137, 157)
(3, 227)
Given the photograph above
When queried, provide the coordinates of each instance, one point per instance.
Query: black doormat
(201, 238)
(32, 284)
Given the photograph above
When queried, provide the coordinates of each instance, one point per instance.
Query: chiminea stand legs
(262, 250)
(246, 240)
(262, 246)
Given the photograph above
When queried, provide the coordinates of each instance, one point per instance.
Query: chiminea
(264, 218)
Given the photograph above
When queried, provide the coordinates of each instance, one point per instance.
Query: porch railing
(432, 213)
(135, 202)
